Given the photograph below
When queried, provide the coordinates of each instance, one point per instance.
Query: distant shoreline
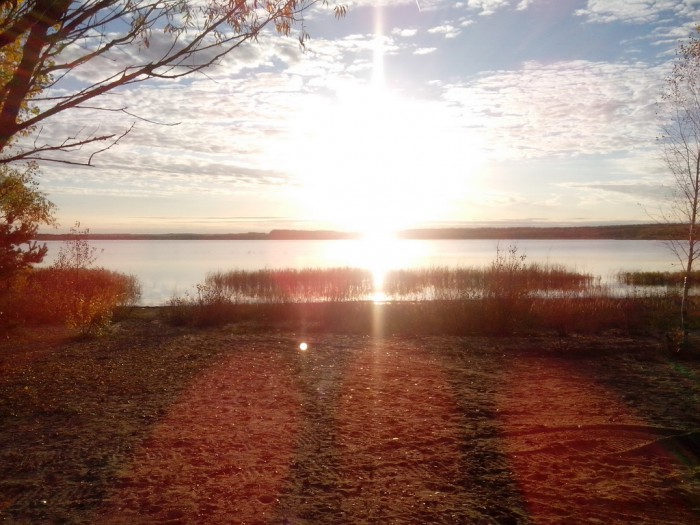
(619, 232)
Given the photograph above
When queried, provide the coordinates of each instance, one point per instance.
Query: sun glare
(369, 160)
(373, 162)
(381, 256)
(380, 253)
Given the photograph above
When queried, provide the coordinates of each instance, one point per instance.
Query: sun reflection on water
(380, 253)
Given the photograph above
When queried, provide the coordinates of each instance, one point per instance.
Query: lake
(169, 268)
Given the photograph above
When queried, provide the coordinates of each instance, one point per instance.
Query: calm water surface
(169, 268)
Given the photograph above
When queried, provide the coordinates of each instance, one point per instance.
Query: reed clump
(669, 279)
(291, 285)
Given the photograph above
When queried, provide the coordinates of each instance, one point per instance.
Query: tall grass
(497, 299)
(445, 283)
(353, 284)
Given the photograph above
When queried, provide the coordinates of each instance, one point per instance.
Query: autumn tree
(77, 51)
(23, 208)
(680, 140)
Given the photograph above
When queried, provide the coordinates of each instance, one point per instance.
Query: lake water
(169, 268)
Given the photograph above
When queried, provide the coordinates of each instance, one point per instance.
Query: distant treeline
(618, 232)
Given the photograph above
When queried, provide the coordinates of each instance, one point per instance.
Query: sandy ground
(165, 426)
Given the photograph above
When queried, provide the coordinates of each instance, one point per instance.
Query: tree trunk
(684, 304)
(46, 14)
(691, 249)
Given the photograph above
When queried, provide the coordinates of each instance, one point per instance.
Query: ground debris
(162, 425)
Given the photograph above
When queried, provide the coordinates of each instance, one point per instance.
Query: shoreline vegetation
(508, 296)
(661, 232)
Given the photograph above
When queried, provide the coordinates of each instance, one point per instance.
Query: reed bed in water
(498, 299)
(445, 283)
(290, 285)
(355, 284)
(656, 278)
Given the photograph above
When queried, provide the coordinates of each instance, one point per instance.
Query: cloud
(524, 4)
(268, 110)
(634, 189)
(225, 112)
(447, 30)
(487, 7)
(232, 126)
(161, 45)
(405, 33)
(637, 11)
(567, 108)
(220, 145)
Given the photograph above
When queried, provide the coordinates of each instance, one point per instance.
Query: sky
(403, 114)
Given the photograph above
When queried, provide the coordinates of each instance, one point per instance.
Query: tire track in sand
(572, 445)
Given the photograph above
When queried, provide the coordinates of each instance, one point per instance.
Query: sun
(372, 162)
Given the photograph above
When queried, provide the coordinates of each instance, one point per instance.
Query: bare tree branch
(55, 40)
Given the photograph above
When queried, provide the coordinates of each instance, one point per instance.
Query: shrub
(84, 299)
(71, 292)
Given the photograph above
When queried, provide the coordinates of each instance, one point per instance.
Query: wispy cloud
(569, 108)
(637, 11)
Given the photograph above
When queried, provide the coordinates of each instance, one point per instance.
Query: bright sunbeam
(380, 251)
(373, 162)
(378, 51)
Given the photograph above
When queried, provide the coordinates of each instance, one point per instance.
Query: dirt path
(225, 427)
